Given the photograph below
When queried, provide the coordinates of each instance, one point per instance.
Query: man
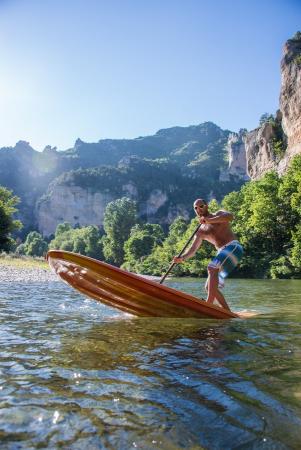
(215, 228)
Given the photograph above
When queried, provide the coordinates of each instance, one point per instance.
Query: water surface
(76, 374)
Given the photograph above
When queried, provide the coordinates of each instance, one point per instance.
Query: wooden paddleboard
(128, 292)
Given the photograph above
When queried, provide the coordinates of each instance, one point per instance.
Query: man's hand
(178, 259)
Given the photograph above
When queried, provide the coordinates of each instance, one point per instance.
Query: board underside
(129, 292)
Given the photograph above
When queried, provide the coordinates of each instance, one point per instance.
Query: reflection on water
(75, 374)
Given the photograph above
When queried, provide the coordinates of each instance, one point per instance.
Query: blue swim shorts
(226, 259)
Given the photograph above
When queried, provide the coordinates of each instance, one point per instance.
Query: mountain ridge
(204, 159)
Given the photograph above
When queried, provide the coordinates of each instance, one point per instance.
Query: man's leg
(206, 286)
(212, 288)
(221, 300)
(212, 283)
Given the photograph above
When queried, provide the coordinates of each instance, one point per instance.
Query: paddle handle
(180, 254)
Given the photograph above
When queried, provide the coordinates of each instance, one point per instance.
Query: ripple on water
(76, 374)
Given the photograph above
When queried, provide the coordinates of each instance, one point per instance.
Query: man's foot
(246, 314)
(217, 303)
(221, 304)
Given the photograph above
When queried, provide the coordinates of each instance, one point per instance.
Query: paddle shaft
(181, 252)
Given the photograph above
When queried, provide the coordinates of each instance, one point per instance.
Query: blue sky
(99, 69)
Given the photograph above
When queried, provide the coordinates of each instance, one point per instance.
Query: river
(75, 374)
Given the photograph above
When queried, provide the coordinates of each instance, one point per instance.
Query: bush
(34, 245)
(85, 240)
(266, 118)
(278, 148)
(297, 60)
(297, 36)
(8, 204)
(281, 268)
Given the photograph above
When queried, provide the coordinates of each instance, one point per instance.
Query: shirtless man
(215, 228)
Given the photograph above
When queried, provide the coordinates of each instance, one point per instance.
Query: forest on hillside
(178, 161)
(267, 215)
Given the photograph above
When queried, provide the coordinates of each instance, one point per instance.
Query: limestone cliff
(163, 172)
(290, 97)
(237, 157)
(83, 207)
(260, 154)
(71, 204)
(174, 164)
(278, 139)
(80, 196)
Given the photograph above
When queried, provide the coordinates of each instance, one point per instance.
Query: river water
(75, 374)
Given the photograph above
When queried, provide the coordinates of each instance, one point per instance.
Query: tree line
(267, 215)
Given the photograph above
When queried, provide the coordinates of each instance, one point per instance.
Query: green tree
(140, 244)
(290, 193)
(282, 267)
(266, 118)
(8, 203)
(85, 240)
(267, 215)
(258, 223)
(159, 259)
(297, 36)
(197, 265)
(296, 249)
(62, 228)
(119, 218)
(290, 189)
(179, 234)
(34, 245)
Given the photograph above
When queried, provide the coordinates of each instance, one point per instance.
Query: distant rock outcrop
(82, 207)
(237, 157)
(73, 204)
(278, 140)
(80, 197)
(290, 97)
(163, 172)
(259, 150)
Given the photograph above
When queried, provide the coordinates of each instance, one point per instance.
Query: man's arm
(218, 217)
(196, 243)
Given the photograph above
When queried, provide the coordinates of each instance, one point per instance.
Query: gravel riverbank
(32, 270)
(10, 273)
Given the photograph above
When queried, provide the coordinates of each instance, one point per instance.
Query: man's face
(200, 207)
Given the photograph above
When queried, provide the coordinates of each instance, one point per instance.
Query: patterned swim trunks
(226, 259)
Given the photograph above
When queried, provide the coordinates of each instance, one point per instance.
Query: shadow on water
(76, 374)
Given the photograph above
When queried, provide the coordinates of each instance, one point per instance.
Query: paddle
(181, 252)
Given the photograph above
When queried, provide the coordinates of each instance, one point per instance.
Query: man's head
(200, 207)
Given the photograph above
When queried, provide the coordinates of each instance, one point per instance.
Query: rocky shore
(16, 273)
(23, 270)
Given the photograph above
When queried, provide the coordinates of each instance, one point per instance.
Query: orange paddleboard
(129, 292)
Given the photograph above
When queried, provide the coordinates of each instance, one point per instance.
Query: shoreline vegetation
(266, 212)
(20, 268)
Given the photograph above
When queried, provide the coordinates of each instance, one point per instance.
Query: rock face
(285, 129)
(237, 157)
(163, 172)
(259, 151)
(156, 199)
(75, 205)
(290, 97)
(85, 207)
(178, 162)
